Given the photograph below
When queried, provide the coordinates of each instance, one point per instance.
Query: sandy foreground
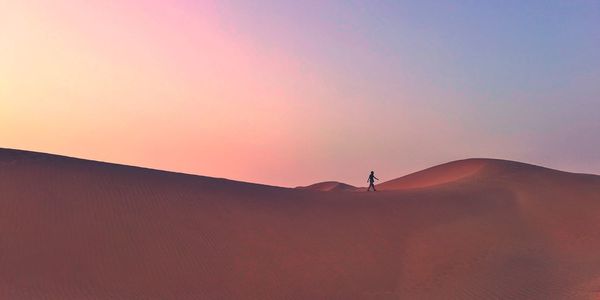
(471, 229)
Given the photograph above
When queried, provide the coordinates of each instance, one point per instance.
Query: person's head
(372, 172)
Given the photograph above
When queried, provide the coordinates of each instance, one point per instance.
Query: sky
(291, 93)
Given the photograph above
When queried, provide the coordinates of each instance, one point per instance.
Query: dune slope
(77, 229)
(329, 186)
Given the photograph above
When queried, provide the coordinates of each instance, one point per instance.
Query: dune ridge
(329, 186)
(79, 229)
(464, 170)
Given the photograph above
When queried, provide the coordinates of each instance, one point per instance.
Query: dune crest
(437, 175)
(461, 170)
(329, 186)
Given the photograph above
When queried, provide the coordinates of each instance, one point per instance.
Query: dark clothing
(371, 178)
(371, 181)
(371, 186)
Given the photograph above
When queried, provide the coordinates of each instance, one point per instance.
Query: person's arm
(376, 178)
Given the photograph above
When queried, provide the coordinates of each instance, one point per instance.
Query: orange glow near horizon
(107, 81)
(229, 90)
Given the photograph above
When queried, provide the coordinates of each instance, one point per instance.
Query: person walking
(371, 182)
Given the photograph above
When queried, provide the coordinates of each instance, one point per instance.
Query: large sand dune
(473, 229)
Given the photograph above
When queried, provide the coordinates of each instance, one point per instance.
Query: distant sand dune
(329, 186)
(472, 229)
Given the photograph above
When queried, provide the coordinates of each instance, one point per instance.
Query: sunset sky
(295, 92)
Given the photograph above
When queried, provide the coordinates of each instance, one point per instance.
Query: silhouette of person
(371, 181)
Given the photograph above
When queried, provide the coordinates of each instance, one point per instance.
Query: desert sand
(329, 186)
(471, 229)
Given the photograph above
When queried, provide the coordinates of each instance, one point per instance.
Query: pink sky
(290, 95)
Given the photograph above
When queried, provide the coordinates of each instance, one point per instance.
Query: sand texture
(471, 229)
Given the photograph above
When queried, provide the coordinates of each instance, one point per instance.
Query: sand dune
(446, 173)
(473, 229)
(329, 186)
